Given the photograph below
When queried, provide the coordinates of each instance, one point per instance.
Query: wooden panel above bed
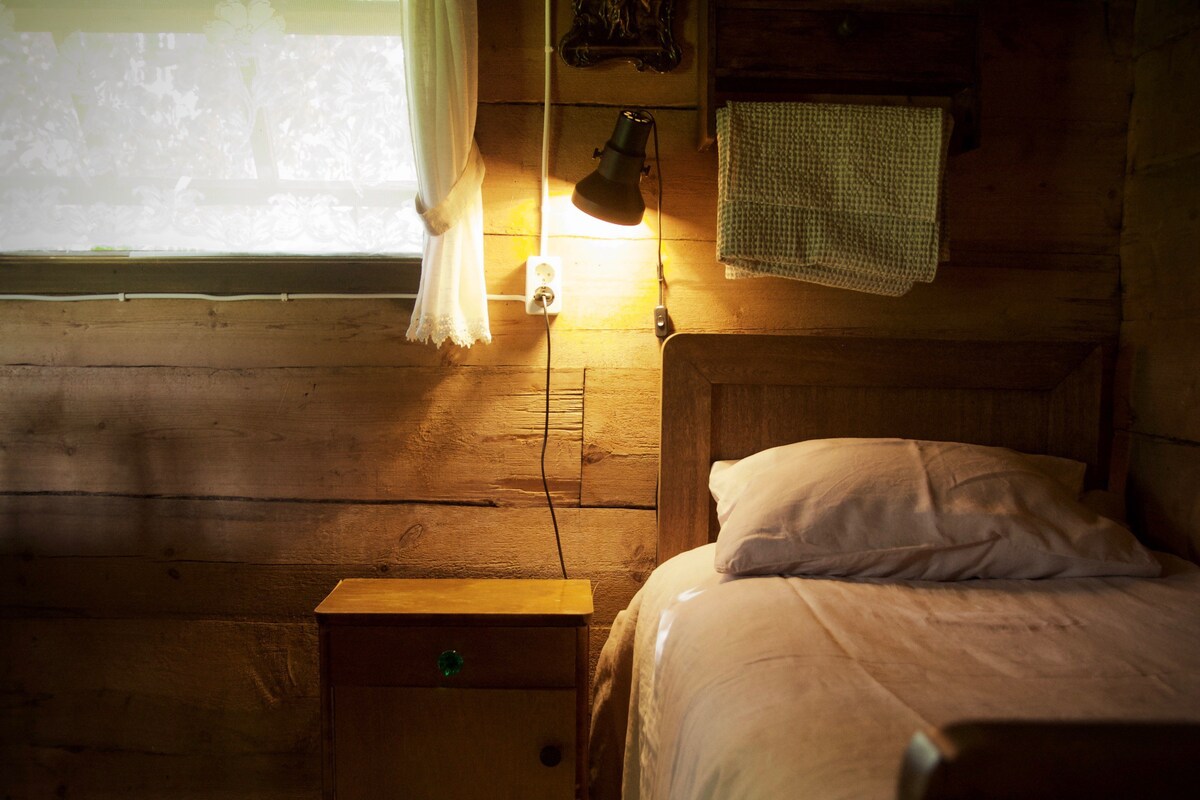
(727, 396)
(781, 50)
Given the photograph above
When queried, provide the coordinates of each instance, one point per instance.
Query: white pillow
(914, 510)
(1067, 471)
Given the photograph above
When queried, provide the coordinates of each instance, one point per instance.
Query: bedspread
(772, 687)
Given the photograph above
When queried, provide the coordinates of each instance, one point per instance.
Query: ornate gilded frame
(632, 30)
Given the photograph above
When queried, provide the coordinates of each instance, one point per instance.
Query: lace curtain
(259, 126)
(442, 39)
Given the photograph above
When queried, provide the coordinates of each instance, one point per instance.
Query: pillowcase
(1067, 471)
(912, 510)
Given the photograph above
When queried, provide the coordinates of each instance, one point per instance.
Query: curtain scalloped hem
(440, 54)
(436, 330)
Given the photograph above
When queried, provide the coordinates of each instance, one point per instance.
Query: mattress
(771, 687)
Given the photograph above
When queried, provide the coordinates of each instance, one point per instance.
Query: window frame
(79, 273)
(55, 275)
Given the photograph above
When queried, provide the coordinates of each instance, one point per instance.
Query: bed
(774, 685)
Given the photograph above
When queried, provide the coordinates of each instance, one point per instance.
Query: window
(205, 127)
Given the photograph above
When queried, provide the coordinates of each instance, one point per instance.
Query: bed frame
(729, 395)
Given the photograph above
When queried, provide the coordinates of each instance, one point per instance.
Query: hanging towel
(841, 195)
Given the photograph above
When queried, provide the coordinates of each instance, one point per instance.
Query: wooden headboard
(729, 395)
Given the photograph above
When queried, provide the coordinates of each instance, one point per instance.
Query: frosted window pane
(235, 136)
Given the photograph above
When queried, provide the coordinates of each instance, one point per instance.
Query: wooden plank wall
(181, 482)
(1161, 274)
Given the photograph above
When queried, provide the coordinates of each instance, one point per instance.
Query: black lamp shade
(613, 192)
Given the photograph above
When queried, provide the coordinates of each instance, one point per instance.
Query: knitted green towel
(841, 195)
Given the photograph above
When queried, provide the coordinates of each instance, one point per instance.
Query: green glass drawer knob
(450, 663)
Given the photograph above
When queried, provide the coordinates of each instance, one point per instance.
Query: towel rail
(850, 51)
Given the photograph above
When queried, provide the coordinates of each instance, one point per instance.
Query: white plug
(543, 279)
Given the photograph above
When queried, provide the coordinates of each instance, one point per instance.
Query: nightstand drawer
(468, 688)
(474, 657)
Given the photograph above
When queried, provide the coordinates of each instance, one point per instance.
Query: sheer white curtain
(440, 54)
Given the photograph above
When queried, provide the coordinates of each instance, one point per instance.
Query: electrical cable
(658, 168)
(545, 196)
(542, 296)
(545, 296)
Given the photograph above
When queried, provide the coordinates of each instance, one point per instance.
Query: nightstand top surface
(550, 601)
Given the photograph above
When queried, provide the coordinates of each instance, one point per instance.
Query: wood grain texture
(1080, 416)
(517, 601)
(878, 362)
(606, 325)
(1165, 507)
(620, 458)
(1013, 418)
(116, 588)
(686, 438)
(233, 699)
(106, 557)
(340, 433)
(841, 53)
(183, 687)
(110, 774)
(509, 137)
(1064, 197)
(394, 723)
(1165, 390)
(1161, 243)
(1052, 759)
(1011, 304)
(1160, 251)
(398, 652)
(1161, 20)
(1166, 105)
(920, 47)
(469, 744)
(189, 605)
(211, 275)
(1077, 59)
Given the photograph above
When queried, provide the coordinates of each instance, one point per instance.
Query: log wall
(182, 482)
(1160, 252)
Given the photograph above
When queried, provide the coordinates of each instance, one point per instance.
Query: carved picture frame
(631, 30)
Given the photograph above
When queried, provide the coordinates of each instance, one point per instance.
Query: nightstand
(455, 688)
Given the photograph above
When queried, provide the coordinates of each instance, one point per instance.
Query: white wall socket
(543, 271)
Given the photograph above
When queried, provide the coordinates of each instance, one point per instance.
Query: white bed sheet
(773, 687)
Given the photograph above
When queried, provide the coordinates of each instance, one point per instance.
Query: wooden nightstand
(455, 688)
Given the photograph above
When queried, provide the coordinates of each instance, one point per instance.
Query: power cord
(662, 320)
(545, 296)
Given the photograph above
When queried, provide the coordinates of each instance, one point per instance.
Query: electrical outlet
(543, 273)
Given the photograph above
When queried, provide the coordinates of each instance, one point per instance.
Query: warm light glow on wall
(570, 221)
